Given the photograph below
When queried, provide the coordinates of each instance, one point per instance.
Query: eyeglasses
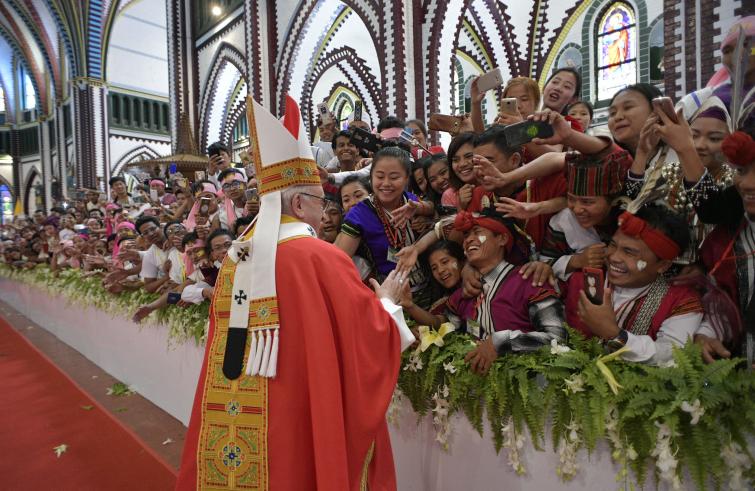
(232, 185)
(324, 202)
(222, 247)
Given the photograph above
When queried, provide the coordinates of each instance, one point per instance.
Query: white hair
(287, 195)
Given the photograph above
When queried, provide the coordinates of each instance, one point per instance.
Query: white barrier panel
(472, 464)
(137, 355)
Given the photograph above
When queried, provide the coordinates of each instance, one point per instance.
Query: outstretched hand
(392, 288)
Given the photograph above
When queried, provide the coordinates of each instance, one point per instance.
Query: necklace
(396, 237)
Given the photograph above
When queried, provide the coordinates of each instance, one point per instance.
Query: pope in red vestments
(318, 422)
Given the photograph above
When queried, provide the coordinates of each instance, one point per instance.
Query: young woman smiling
(381, 222)
(462, 176)
(445, 260)
(628, 112)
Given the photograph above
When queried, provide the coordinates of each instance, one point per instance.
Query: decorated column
(45, 158)
(91, 132)
(180, 61)
(15, 153)
(61, 149)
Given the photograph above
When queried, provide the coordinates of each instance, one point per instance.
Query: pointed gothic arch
(226, 55)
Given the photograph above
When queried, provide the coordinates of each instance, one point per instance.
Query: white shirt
(193, 293)
(176, 266)
(66, 234)
(323, 152)
(674, 331)
(223, 216)
(152, 263)
(578, 238)
(363, 173)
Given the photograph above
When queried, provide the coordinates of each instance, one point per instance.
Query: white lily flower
(449, 367)
(695, 410)
(575, 383)
(557, 349)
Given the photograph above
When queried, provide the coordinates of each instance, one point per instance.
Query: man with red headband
(639, 309)
(510, 314)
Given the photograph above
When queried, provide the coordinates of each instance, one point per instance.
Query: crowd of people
(641, 233)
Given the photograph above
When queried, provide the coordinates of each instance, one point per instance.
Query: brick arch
(366, 10)
(26, 189)
(143, 151)
(346, 59)
(225, 54)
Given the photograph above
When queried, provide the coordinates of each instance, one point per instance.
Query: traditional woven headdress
(282, 158)
(597, 175)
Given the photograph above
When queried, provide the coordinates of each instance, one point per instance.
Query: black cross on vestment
(240, 297)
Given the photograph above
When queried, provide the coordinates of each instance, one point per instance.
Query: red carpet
(40, 408)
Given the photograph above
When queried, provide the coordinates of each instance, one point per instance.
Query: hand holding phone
(204, 207)
(364, 139)
(251, 194)
(509, 106)
(666, 106)
(325, 115)
(526, 131)
(490, 80)
(593, 281)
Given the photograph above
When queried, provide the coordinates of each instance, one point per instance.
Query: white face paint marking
(454, 265)
(641, 265)
(482, 238)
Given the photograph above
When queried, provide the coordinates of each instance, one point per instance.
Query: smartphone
(252, 194)
(667, 106)
(153, 195)
(325, 116)
(138, 200)
(214, 152)
(524, 132)
(509, 106)
(81, 229)
(366, 140)
(200, 175)
(204, 207)
(593, 280)
(173, 298)
(490, 80)
(357, 110)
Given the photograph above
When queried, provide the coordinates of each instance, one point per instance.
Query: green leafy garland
(649, 420)
(688, 413)
(183, 323)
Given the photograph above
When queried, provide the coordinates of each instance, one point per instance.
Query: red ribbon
(657, 241)
(465, 220)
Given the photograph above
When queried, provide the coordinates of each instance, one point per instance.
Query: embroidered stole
(232, 447)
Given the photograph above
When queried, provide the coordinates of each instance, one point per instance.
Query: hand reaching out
(512, 208)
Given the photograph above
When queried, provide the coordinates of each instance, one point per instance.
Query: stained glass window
(617, 50)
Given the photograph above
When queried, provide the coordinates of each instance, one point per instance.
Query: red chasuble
(320, 423)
